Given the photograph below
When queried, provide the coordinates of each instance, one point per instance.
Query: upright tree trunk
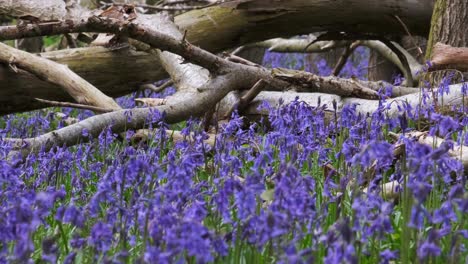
(380, 68)
(449, 26)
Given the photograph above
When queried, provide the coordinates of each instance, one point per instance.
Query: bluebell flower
(101, 237)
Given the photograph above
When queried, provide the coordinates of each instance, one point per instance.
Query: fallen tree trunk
(182, 106)
(115, 73)
(58, 74)
(448, 57)
(216, 28)
(364, 106)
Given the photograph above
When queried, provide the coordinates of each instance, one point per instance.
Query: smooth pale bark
(115, 73)
(454, 98)
(216, 28)
(186, 76)
(43, 9)
(458, 152)
(184, 105)
(57, 74)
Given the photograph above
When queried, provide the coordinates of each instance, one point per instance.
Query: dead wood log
(184, 105)
(58, 74)
(391, 190)
(448, 57)
(115, 73)
(215, 28)
(455, 97)
(459, 153)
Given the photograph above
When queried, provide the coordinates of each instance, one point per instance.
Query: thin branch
(237, 59)
(330, 84)
(386, 50)
(409, 34)
(166, 3)
(403, 59)
(168, 8)
(344, 57)
(155, 88)
(247, 98)
(73, 105)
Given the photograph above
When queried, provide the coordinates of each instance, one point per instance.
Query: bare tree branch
(155, 88)
(247, 98)
(171, 8)
(455, 97)
(344, 57)
(446, 56)
(299, 45)
(98, 65)
(73, 105)
(216, 28)
(82, 91)
(330, 84)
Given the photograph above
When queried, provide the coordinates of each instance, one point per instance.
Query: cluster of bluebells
(288, 189)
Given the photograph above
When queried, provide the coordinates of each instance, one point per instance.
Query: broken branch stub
(446, 56)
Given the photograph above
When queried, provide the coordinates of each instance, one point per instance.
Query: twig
(237, 59)
(237, 50)
(165, 3)
(403, 59)
(247, 98)
(155, 88)
(344, 57)
(169, 8)
(184, 37)
(73, 105)
(409, 34)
